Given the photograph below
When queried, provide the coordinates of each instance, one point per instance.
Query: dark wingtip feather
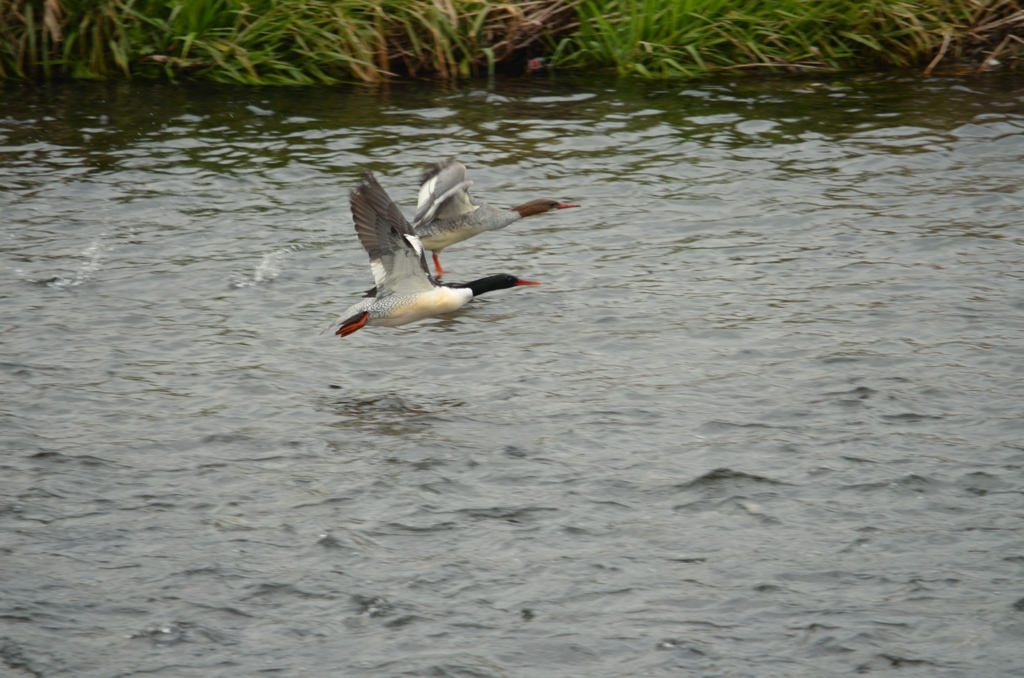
(362, 186)
(379, 223)
(374, 192)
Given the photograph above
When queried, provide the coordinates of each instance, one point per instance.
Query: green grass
(261, 41)
(329, 41)
(695, 37)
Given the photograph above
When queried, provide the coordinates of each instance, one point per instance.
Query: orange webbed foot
(351, 327)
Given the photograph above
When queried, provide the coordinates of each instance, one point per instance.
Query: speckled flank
(395, 310)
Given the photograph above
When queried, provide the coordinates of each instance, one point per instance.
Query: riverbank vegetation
(329, 41)
(691, 37)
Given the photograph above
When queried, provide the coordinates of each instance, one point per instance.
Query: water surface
(764, 417)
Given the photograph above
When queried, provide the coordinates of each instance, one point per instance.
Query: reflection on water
(763, 417)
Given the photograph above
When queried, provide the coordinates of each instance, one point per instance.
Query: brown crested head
(540, 206)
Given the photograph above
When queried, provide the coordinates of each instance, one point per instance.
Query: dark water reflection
(764, 418)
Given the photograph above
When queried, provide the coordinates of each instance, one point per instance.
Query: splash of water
(94, 256)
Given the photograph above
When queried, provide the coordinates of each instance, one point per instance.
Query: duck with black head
(405, 291)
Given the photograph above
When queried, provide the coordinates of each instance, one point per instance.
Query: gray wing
(396, 254)
(444, 193)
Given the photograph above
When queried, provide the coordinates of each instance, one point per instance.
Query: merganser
(447, 214)
(405, 290)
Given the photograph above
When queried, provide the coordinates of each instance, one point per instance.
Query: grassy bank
(693, 37)
(269, 41)
(328, 41)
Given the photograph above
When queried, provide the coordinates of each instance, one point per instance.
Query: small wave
(727, 478)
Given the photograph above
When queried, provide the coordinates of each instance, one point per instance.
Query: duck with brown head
(447, 214)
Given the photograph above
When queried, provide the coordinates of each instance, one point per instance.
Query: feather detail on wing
(444, 193)
(397, 256)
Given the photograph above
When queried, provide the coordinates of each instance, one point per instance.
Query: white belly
(409, 309)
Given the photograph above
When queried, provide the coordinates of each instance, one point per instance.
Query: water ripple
(763, 416)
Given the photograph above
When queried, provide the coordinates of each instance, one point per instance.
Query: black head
(502, 281)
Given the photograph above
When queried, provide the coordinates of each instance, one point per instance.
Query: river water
(765, 416)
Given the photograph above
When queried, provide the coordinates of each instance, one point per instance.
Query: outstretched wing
(444, 193)
(396, 254)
